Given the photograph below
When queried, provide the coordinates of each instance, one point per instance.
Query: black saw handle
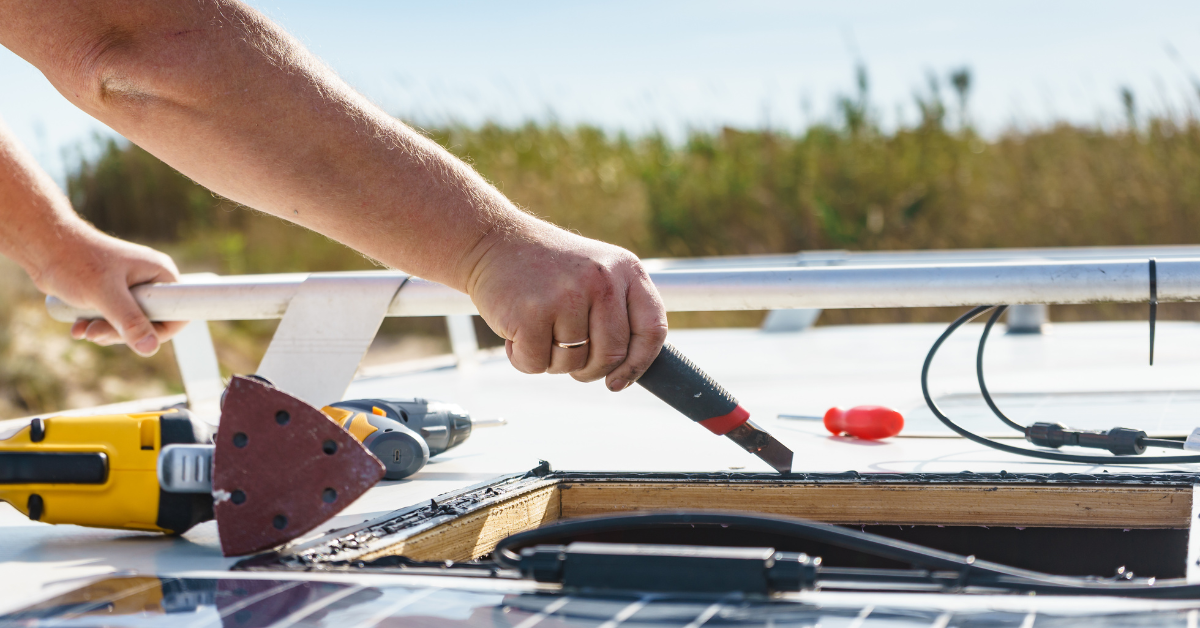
(677, 381)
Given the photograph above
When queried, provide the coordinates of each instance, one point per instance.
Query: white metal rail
(314, 306)
(267, 296)
(926, 258)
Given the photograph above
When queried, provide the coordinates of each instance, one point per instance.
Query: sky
(676, 65)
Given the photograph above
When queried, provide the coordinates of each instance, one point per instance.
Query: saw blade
(757, 441)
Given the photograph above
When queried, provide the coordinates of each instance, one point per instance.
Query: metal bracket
(326, 331)
(463, 341)
(197, 360)
(1028, 319)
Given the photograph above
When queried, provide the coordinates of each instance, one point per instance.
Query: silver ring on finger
(572, 345)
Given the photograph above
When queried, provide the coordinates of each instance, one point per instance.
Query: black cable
(987, 330)
(1022, 451)
(987, 397)
(1162, 442)
(983, 338)
(947, 570)
(507, 551)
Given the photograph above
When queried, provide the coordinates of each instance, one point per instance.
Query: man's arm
(225, 96)
(70, 259)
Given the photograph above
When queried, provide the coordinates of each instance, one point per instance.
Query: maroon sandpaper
(281, 468)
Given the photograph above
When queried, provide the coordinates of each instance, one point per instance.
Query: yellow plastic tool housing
(128, 498)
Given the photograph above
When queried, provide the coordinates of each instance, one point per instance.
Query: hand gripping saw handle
(677, 381)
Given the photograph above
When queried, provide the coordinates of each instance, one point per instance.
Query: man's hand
(216, 90)
(96, 272)
(68, 258)
(544, 286)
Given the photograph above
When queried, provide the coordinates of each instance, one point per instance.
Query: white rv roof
(584, 427)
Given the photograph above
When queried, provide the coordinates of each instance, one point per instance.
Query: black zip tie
(1153, 304)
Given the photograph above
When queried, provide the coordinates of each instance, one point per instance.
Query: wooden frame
(467, 524)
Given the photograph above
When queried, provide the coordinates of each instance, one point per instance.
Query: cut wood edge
(476, 533)
(1046, 505)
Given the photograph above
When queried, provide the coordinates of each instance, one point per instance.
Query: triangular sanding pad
(281, 468)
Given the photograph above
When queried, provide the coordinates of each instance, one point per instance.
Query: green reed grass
(847, 184)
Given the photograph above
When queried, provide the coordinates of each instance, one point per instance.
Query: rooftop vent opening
(1078, 525)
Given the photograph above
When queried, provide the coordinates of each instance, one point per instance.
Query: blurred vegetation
(844, 184)
(42, 368)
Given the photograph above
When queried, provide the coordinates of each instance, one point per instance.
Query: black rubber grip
(674, 379)
(178, 512)
(52, 468)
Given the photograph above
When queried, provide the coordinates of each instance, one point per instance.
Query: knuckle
(609, 362)
(602, 271)
(101, 334)
(135, 325)
(639, 271)
(656, 333)
(524, 368)
(601, 276)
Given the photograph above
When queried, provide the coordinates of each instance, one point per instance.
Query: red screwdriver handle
(865, 422)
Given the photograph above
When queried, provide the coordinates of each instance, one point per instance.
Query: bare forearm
(199, 84)
(68, 258)
(229, 99)
(38, 220)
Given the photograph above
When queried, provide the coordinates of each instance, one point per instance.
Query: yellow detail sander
(276, 468)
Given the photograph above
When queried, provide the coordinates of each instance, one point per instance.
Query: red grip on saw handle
(677, 381)
(865, 422)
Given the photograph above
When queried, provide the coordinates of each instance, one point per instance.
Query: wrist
(57, 247)
(514, 230)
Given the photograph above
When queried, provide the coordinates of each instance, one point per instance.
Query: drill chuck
(403, 433)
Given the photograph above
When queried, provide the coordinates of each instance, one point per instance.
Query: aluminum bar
(925, 258)
(827, 287)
